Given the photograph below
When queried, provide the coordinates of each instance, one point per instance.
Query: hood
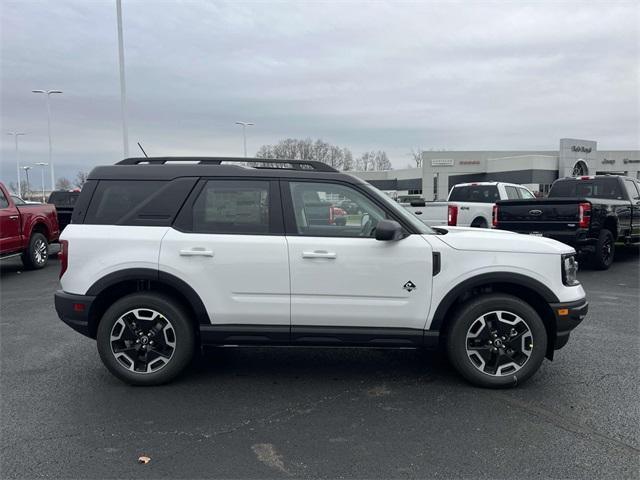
(489, 240)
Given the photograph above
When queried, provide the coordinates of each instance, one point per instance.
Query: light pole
(26, 171)
(16, 135)
(244, 134)
(123, 89)
(49, 93)
(42, 164)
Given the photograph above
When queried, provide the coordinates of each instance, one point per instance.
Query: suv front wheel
(497, 340)
(145, 339)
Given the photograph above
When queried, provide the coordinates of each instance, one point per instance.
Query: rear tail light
(584, 215)
(452, 215)
(63, 255)
(494, 216)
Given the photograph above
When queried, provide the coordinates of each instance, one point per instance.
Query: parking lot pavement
(327, 413)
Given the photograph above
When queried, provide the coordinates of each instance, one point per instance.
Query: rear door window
(475, 194)
(632, 190)
(233, 207)
(512, 192)
(524, 193)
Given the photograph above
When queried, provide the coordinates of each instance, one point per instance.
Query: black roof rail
(306, 165)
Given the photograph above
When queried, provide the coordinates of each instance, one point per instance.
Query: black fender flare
(134, 274)
(487, 279)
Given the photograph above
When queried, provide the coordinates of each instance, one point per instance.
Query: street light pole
(244, 134)
(49, 93)
(26, 171)
(16, 135)
(42, 164)
(123, 88)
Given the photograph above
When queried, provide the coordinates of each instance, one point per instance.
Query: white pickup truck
(468, 205)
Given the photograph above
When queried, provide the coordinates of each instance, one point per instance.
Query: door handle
(319, 254)
(196, 252)
(13, 217)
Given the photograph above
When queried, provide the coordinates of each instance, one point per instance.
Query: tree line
(338, 157)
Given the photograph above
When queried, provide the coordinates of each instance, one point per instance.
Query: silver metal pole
(53, 176)
(42, 165)
(244, 135)
(26, 171)
(244, 139)
(16, 135)
(18, 164)
(123, 88)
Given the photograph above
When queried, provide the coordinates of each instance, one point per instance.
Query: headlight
(570, 270)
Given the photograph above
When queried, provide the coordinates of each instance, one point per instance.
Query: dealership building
(535, 169)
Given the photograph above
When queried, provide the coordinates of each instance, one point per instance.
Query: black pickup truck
(591, 214)
(64, 202)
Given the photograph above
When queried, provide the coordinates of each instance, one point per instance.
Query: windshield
(400, 211)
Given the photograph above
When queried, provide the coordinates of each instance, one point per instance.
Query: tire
(151, 323)
(602, 258)
(479, 223)
(517, 359)
(36, 255)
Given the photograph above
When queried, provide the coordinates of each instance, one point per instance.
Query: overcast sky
(372, 75)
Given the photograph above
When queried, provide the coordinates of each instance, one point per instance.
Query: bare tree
(63, 183)
(308, 149)
(373, 160)
(416, 155)
(81, 178)
(13, 187)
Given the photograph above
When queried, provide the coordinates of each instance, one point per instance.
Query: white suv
(165, 255)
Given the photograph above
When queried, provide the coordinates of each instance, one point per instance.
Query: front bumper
(75, 311)
(568, 315)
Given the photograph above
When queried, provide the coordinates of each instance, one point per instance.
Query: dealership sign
(442, 162)
(580, 148)
(608, 161)
(469, 162)
(629, 160)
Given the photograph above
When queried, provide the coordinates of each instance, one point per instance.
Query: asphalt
(320, 413)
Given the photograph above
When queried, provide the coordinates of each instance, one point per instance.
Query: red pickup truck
(26, 230)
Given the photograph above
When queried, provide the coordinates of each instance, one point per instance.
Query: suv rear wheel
(145, 339)
(497, 340)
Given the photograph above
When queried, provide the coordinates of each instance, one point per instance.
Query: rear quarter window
(137, 202)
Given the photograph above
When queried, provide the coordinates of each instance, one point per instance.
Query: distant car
(590, 213)
(65, 202)
(468, 205)
(26, 229)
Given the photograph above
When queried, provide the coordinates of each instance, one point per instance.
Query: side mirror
(387, 230)
(418, 203)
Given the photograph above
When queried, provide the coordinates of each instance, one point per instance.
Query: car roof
(469, 184)
(169, 168)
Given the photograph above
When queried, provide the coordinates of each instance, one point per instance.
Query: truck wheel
(479, 223)
(602, 258)
(37, 253)
(497, 340)
(145, 339)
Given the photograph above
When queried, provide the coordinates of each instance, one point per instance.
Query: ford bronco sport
(165, 255)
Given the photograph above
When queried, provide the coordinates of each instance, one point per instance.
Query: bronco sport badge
(409, 286)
